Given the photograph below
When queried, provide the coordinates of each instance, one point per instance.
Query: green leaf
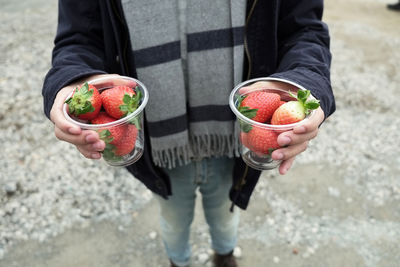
(131, 103)
(123, 108)
(109, 153)
(106, 136)
(84, 89)
(247, 112)
(245, 127)
(136, 122)
(127, 99)
(240, 100)
(312, 105)
(292, 95)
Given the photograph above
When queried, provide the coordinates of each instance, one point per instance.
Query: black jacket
(284, 39)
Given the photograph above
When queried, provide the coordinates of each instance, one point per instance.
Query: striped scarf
(189, 54)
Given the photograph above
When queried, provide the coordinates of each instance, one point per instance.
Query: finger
(89, 154)
(57, 115)
(290, 138)
(311, 123)
(86, 137)
(94, 147)
(285, 166)
(289, 152)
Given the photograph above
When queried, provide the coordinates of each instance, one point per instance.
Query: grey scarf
(189, 54)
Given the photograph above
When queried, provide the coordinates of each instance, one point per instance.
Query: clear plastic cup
(130, 145)
(260, 158)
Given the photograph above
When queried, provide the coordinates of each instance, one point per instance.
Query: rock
(10, 187)
(276, 259)
(203, 258)
(237, 252)
(153, 235)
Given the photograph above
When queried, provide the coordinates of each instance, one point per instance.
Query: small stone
(153, 235)
(203, 257)
(305, 255)
(333, 191)
(237, 252)
(10, 187)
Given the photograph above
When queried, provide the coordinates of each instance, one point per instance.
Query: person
(395, 7)
(190, 54)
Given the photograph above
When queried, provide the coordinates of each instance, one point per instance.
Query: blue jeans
(213, 177)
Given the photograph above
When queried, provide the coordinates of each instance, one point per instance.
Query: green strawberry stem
(109, 153)
(131, 103)
(105, 135)
(80, 102)
(136, 122)
(246, 111)
(302, 96)
(109, 150)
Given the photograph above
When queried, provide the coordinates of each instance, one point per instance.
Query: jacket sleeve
(303, 43)
(78, 50)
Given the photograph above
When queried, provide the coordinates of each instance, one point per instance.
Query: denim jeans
(213, 178)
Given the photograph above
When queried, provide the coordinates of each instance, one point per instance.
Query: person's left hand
(295, 141)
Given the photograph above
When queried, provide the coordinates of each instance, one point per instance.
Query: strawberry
(111, 134)
(120, 101)
(281, 103)
(262, 140)
(127, 143)
(259, 106)
(85, 102)
(294, 111)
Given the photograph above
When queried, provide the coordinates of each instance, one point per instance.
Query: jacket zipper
(242, 179)
(246, 48)
(125, 45)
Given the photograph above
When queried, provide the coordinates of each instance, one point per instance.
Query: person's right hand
(86, 141)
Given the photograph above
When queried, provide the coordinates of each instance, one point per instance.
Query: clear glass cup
(261, 159)
(130, 146)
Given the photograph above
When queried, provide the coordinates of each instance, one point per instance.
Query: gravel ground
(338, 206)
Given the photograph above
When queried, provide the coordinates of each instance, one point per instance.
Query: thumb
(57, 113)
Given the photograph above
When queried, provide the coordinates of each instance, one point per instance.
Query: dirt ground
(134, 241)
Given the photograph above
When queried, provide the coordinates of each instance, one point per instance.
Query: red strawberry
(85, 102)
(262, 140)
(294, 111)
(127, 143)
(120, 101)
(259, 106)
(111, 134)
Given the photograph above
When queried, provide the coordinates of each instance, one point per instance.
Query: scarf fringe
(200, 147)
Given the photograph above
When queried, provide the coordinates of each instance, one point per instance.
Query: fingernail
(97, 146)
(96, 155)
(74, 130)
(279, 156)
(285, 140)
(89, 138)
